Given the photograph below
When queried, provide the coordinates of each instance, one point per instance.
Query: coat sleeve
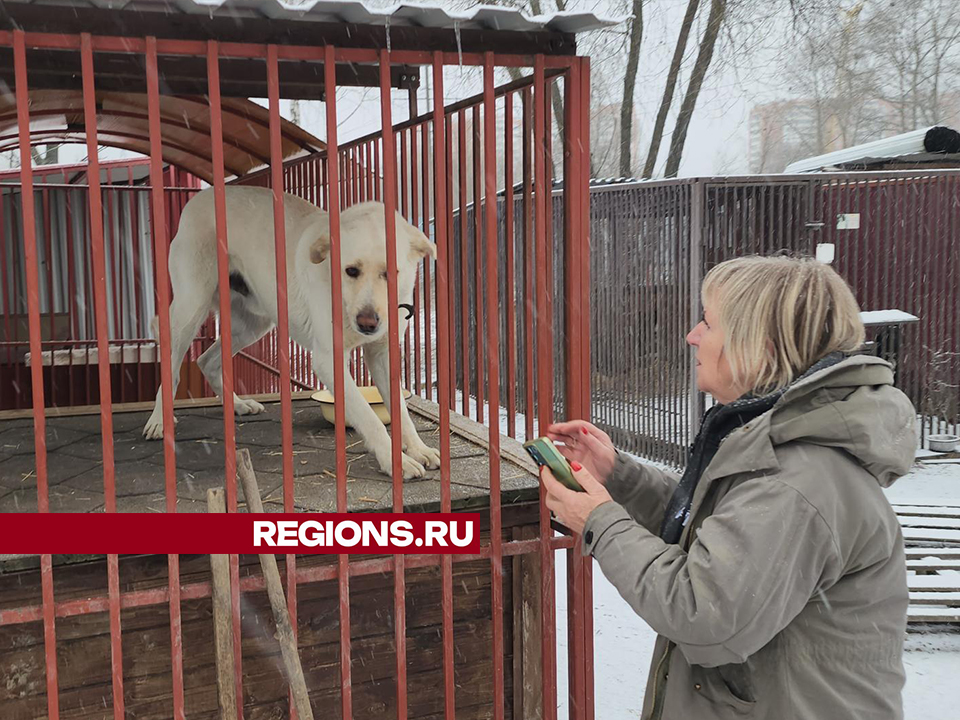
(755, 563)
(642, 490)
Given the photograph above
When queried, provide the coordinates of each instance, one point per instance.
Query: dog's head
(363, 261)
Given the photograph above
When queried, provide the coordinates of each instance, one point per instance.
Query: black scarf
(718, 422)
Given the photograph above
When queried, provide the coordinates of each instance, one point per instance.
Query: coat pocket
(734, 695)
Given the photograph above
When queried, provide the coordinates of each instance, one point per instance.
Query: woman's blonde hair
(779, 316)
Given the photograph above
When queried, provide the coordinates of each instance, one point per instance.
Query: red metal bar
(493, 370)
(572, 252)
(547, 267)
(528, 254)
(36, 366)
(510, 280)
(368, 159)
(427, 295)
(324, 183)
(464, 274)
(226, 354)
(45, 203)
(283, 322)
(585, 361)
(99, 270)
(137, 269)
(253, 583)
(405, 211)
(451, 270)
(8, 355)
(377, 178)
(352, 184)
(389, 199)
(544, 348)
(444, 340)
(160, 244)
(414, 219)
(343, 560)
(109, 239)
(478, 257)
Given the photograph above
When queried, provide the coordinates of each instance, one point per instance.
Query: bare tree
(718, 9)
(916, 46)
(670, 87)
(629, 85)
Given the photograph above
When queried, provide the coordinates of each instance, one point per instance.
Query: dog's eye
(353, 272)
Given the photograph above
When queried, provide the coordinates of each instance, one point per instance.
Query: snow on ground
(623, 643)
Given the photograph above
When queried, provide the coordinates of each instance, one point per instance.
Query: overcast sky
(717, 140)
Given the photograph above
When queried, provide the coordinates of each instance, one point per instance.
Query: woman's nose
(693, 337)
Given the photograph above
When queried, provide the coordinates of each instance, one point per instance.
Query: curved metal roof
(122, 122)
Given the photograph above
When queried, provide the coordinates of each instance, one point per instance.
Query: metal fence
(335, 174)
(652, 242)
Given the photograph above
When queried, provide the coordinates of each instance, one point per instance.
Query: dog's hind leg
(246, 329)
(185, 319)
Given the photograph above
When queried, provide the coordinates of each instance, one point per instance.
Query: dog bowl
(370, 394)
(943, 443)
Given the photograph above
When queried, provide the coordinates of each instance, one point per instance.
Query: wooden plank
(933, 564)
(931, 535)
(933, 615)
(935, 598)
(222, 619)
(933, 583)
(917, 553)
(931, 522)
(145, 406)
(475, 432)
(948, 511)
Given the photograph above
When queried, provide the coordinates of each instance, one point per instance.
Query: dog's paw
(153, 430)
(425, 455)
(246, 406)
(411, 468)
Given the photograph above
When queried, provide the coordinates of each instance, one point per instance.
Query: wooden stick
(222, 619)
(278, 603)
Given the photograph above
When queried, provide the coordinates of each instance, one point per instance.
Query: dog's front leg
(363, 419)
(378, 360)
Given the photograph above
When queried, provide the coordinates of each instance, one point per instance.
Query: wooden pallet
(932, 537)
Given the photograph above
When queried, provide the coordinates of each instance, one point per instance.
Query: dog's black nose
(368, 323)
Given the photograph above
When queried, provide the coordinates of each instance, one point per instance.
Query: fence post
(698, 191)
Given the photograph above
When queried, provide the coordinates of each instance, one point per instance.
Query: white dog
(253, 307)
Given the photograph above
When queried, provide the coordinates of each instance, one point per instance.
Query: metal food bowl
(943, 443)
(370, 394)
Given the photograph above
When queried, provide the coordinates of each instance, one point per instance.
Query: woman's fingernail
(577, 467)
(584, 431)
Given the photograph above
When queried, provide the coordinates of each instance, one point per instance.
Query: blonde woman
(773, 570)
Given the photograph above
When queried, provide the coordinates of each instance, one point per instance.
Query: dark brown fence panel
(892, 235)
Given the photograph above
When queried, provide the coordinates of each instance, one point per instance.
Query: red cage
(498, 327)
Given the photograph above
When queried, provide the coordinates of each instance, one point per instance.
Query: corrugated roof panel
(487, 17)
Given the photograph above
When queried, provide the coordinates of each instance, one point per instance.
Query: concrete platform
(75, 468)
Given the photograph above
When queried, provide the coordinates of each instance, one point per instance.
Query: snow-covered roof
(915, 142)
(429, 15)
(886, 317)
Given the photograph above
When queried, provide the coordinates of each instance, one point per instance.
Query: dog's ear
(317, 235)
(420, 245)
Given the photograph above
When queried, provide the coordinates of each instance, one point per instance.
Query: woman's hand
(586, 444)
(573, 508)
